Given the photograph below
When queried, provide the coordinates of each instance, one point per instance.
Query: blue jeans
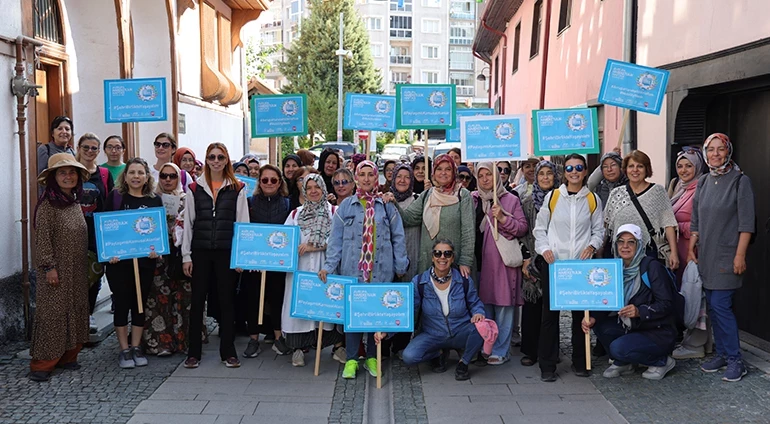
(424, 346)
(503, 316)
(629, 348)
(352, 340)
(720, 308)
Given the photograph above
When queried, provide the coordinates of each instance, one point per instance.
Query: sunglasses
(164, 144)
(578, 168)
(216, 157)
(91, 148)
(172, 176)
(464, 177)
(340, 182)
(448, 254)
(503, 170)
(272, 180)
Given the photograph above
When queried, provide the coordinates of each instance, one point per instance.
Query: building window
(516, 48)
(48, 21)
(400, 55)
(431, 3)
(537, 21)
(459, 9)
(401, 26)
(464, 82)
(460, 58)
(373, 24)
(461, 33)
(406, 5)
(376, 49)
(429, 77)
(431, 26)
(429, 51)
(399, 78)
(565, 13)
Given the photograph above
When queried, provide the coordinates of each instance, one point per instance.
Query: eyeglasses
(448, 254)
(114, 148)
(630, 243)
(340, 182)
(578, 168)
(464, 177)
(502, 170)
(164, 144)
(216, 157)
(91, 148)
(610, 166)
(172, 176)
(272, 180)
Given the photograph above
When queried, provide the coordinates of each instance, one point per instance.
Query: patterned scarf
(605, 186)
(366, 262)
(538, 194)
(314, 219)
(439, 197)
(726, 167)
(695, 158)
(401, 196)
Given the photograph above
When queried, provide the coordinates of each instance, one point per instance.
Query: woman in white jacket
(570, 225)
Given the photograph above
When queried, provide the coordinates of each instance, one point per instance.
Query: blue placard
(278, 115)
(265, 247)
(131, 233)
(634, 87)
(565, 131)
(379, 307)
(454, 133)
(595, 285)
(370, 112)
(425, 106)
(498, 137)
(312, 299)
(250, 184)
(135, 100)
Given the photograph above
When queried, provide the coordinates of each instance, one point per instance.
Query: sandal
(527, 361)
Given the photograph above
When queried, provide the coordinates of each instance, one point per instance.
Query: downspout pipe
(630, 16)
(21, 119)
(546, 45)
(488, 62)
(505, 60)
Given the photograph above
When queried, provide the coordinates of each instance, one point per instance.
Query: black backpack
(678, 298)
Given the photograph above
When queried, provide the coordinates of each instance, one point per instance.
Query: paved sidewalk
(264, 389)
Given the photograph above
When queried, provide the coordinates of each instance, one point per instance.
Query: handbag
(510, 250)
(652, 249)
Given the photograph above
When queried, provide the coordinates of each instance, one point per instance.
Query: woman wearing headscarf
(607, 176)
(314, 219)
(499, 285)
(169, 299)
(643, 331)
(184, 158)
(61, 236)
(444, 211)
(546, 177)
(328, 162)
(465, 175)
(421, 174)
(723, 220)
(366, 242)
(290, 165)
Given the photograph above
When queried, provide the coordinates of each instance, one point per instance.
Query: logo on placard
(392, 299)
(277, 240)
(437, 99)
(334, 291)
(504, 131)
(382, 106)
(144, 225)
(289, 107)
(647, 81)
(147, 93)
(599, 277)
(576, 122)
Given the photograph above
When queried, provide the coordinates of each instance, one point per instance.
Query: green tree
(311, 65)
(257, 54)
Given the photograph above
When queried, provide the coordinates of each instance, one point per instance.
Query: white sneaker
(615, 371)
(657, 373)
(682, 352)
(93, 328)
(298, 358)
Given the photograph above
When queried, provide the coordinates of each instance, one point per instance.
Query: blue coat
(344, 247)
(462, 306)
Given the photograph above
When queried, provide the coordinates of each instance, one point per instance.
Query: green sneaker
(351, 367)
(371, 365)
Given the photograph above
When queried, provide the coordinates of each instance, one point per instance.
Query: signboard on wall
(135, 100)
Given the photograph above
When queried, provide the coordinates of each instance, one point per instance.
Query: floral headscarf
(314, 220)
(729, 164)
(440, 196)
(366, 261)
(400, 197)
(453, 185)
(538, 194)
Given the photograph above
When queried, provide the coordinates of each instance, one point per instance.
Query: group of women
(474, 258)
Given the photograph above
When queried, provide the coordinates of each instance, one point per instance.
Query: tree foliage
(311, 65)
(257, 54)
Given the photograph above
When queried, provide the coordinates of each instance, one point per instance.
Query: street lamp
(481, 76)
(341, 53)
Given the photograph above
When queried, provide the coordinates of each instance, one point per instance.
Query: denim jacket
(344, 247)
(462, 306)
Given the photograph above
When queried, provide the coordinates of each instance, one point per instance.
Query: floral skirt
(167, 312)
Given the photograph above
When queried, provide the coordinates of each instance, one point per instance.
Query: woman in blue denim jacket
(367, 242)
(448, 308)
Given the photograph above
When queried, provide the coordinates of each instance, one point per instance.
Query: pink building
(718, 53)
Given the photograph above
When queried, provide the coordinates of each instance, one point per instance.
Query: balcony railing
(400, 59)
(460, 65)
(462, 15)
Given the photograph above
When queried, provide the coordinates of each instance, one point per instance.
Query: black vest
(213, 227)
